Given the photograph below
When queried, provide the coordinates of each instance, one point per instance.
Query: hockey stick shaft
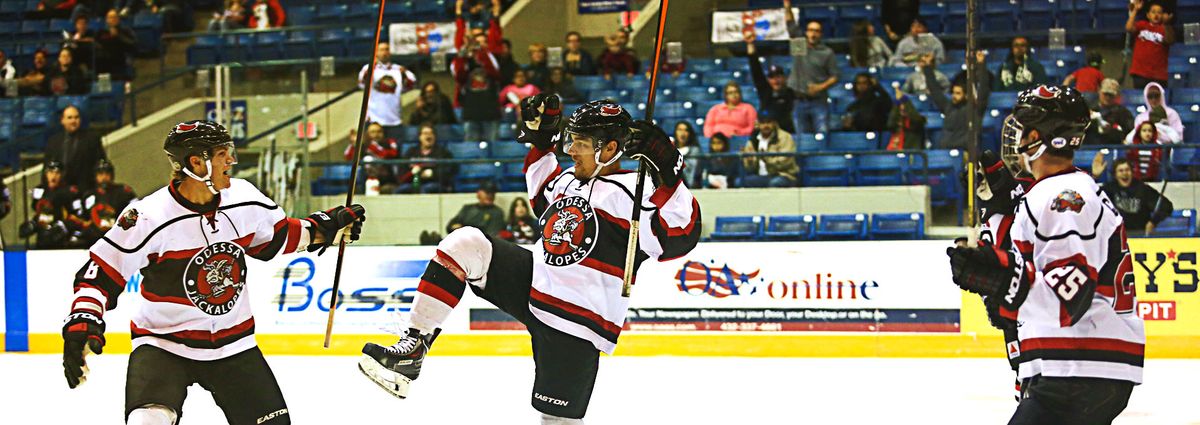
(362, 123)
(640, 189)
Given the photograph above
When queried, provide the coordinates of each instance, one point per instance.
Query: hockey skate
(394, 367)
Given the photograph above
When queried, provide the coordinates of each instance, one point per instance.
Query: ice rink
(629, 390)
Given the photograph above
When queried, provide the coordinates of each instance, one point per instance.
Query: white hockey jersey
(584, 232)
(389, 83)
(1077, 317)
(193, 264)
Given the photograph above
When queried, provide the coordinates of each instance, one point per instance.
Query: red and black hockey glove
(83, 331)
(541, 115)
(998, 190)
(650, 143)
(327, 223)
(991, 272)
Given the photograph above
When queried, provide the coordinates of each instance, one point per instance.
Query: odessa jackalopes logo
(214, 277)
(568, 231)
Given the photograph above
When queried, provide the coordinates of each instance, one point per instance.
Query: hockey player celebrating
(567, 292)
(189, 240)
(1067, 282)
(100, 205)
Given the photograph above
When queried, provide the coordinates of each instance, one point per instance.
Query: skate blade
(390, 381)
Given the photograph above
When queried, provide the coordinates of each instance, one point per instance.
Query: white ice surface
(629, 390)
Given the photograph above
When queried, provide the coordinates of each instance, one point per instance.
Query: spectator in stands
(266, 14)
(563, 84)
(52, 201)
(916, 82)
(812, 75)
(775, 98)
(689, 147)
(477, 22)
(1112, 121)
(1142, 207)
(537, 71)
(733, 117)
(1169, 126)
(7, 73)
(433, 107)
(918, 42)
(511, 95)
(390, 81)
(5, 200)
(479, 12)
(479, 96)
(1152, 43)
(906, 124)
(871, 106)
(82, 42)
(898, 16)
(115, 45)
(232, 18)
(665, 67)
(484, 215)
(576, 60)
(67, 77)
(504, 58)
(956, 110)
(35, 82)
(960, 78)
(866, 48)
(1087, 78)
(521, 225)
(376, 146)
(426, 177)
(1019, 71)
(617, 59)
(77, 149)
(1146, 162)
(719, 172)
(176, 14)
(53, 9)
(769, 171)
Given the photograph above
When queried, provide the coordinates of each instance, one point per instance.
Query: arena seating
(824, 227)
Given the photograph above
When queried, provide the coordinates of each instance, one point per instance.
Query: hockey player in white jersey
(1067, 281)
(189, 240)
(567, 292)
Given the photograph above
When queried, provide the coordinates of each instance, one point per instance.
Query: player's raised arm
(674, 224)
(280, 234)
(542, 114)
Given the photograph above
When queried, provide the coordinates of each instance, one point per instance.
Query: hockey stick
(639, 189)
(362, 123)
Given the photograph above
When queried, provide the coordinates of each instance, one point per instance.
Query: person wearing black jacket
(956, 110)
(774, 96)
(1141, 206)
(427, 177)
(114, 46)
(100, 207)
(77, 149)
(871, 106)
(433, 107)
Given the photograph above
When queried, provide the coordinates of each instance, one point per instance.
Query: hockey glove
(327, 223)
(992, 306)
(83, 331)
(998, 188)
(991, 272)
(648, 142)
(541, 115)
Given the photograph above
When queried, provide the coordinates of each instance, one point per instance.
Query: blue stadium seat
(635, 84)
(790, 227)
(1181, 223)
(1038, 14)
(332, 13)
(808, 142)
(509, 149)
(1185, 163)
(449, 132)
(881, 170)
(509, 131)
(478, 171)
(333, 180)
(673, 110)
(699, 94)
(80, 102)
(738, 228)
(944, 168)
(827, 170)
(333, 42)
(898, 226)
(299, 44)
(36, 111)
(683, 81)
(703, 65)
(586, 83)
(613, 94)
(301, 15)
(842, 226)
(736, 63)
(206, 50)
(853, 141)
(467, 150)
(719, 78)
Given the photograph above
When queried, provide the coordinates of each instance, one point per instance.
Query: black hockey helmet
(1059, 114)
(194, 138)
(103, 166)
(601, 120)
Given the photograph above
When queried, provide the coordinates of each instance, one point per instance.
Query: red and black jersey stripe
(440, 283)
(283, 241)
(574, 314)
(675, 241)
(608, 256)
(200, 339)
(1083, 349)
(104, 278)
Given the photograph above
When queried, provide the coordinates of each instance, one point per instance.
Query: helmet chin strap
(601, 165)
(1028, 159)
(207, 179)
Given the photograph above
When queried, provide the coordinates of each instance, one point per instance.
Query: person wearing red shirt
(266, 14)
(1153, 38)
(1087, 79)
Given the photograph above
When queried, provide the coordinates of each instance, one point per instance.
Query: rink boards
(819, 299)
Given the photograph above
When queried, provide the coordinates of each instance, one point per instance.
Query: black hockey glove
(991, 272)
(330, 221)
(650, 143)
(83, 331)
(992, 306)
(998, 189)
(540, 115)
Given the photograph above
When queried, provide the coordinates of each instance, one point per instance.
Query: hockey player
(99, 206)
(189, 240)
(567, 292)
(1067, 281)
(54, 203)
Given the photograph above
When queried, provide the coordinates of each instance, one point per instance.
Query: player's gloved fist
(998, 185)
(83, 331)
(988, 271)
(998, 321)
(327, 224)
(651, 143)
(541, 115)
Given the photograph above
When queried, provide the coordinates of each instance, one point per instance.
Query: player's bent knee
(152, 414)
(471, 251)
(558, 420)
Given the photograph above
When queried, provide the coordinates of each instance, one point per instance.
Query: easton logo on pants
(214, 277)
(568, 231)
